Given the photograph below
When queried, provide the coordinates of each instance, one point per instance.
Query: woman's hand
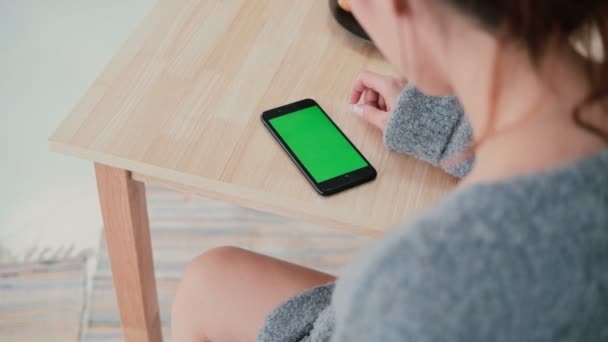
(374, 97)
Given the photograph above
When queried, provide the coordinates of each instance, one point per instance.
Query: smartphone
(326, 157)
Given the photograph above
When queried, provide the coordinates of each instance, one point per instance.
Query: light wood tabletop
(180, 105)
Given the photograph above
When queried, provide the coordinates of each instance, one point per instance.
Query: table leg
(125, 216)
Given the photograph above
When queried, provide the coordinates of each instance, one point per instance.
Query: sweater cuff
(428, 128)
(297, 317)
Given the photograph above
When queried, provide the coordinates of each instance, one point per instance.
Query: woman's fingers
(382, 104)
(377, 95)
(369, 80)
(371, 97)
(372, 115)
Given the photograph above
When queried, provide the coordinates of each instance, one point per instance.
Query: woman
(518, 253)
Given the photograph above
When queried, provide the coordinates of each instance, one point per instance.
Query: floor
(51, 52)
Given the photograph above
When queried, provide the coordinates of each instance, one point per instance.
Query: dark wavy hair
(537, 24)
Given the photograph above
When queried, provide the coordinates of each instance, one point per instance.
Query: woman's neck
(532, 129)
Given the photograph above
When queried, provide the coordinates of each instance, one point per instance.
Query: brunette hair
(538, 24)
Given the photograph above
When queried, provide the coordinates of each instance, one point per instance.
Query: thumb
(371, 114)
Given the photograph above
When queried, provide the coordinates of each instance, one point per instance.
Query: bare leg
(226, 293)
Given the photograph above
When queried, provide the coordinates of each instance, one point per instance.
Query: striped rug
(183, 227)
(42, 301)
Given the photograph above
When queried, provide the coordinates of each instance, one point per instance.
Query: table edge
(213, 189)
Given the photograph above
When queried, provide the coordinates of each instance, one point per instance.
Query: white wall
(50, 52)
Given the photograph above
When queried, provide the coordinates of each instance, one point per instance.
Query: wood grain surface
(127, 231)
(180, 103)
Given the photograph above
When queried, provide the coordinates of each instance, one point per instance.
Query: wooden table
(179, 105)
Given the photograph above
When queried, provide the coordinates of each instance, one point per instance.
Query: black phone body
(325, 156)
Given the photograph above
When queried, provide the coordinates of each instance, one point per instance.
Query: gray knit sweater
(524, 259)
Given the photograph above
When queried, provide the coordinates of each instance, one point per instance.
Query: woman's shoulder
(517, 212)
(530, 216)
(485, 261)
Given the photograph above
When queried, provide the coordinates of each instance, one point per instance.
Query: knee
(201, 281)
(209, 266)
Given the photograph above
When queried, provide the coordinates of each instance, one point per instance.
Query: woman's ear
(401, 7)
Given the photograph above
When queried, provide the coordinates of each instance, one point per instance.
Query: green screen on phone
(318, 144)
